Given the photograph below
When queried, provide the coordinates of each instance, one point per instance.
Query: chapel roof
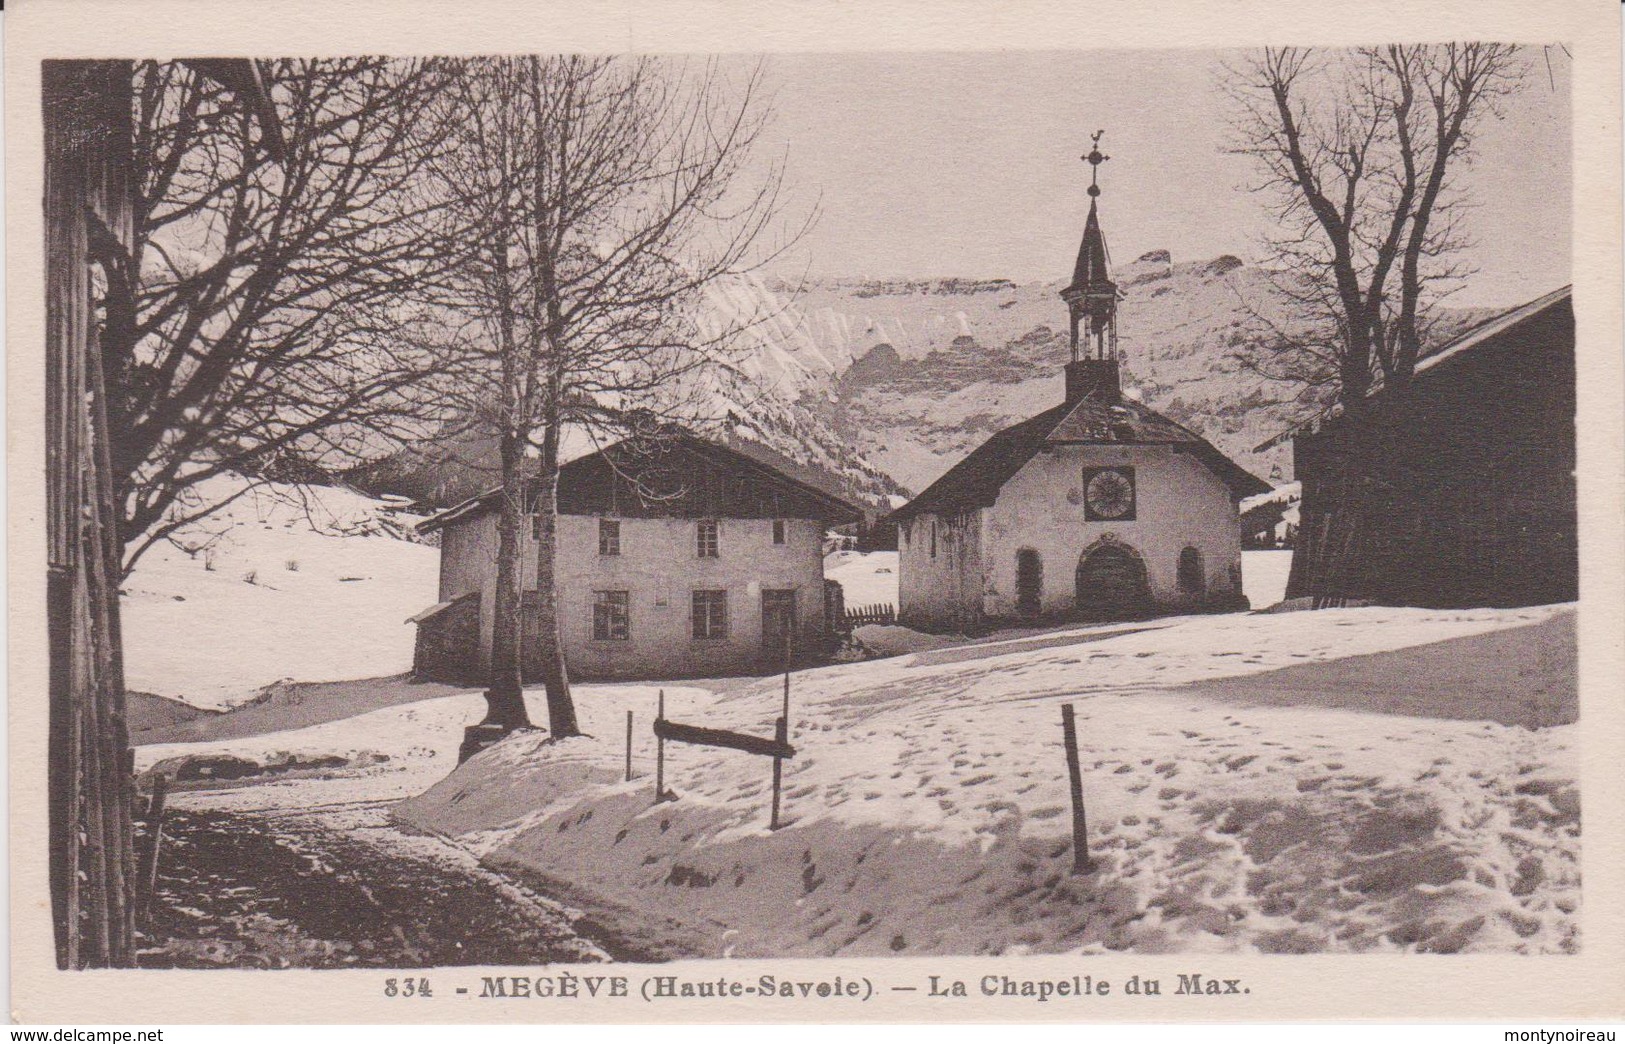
(1089, 421)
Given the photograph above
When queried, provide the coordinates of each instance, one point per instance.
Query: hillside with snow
(911, 375)
(872, 388)
(284, 582)
(1356, 780)
(938, 366)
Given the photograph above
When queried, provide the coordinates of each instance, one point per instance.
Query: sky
(968, 164)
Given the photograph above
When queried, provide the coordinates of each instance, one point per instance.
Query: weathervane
(1095, 158)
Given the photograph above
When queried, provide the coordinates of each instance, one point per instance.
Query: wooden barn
(1457, 490)
(678, 557)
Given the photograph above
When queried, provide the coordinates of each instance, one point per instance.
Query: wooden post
(781, 732)
(1081, 863)
(660, 751)
(787, 630)
(155, 836)
(629, 746)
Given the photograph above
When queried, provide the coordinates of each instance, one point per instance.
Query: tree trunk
(561, 710)
(504, 697)
(548, 311)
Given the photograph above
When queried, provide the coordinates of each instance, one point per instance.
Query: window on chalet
(933, 538)
(706, 538)
(611, 616)
(779, 530)
(609, 537)
(710, 611)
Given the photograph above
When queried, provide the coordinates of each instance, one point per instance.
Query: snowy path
(338, 885)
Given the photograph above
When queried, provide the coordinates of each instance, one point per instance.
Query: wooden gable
(686, 478)
(674, 477)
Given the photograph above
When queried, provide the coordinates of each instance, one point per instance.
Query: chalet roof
(833, 510)
(975, 481)
(439, 607)
(1487, 332)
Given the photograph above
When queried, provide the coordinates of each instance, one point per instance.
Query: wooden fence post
(1081, 863)
(660, 751)
(786, 675)
(781, 732)
(628, 746)
(155, 836)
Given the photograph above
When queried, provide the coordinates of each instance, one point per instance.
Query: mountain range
(872, 388)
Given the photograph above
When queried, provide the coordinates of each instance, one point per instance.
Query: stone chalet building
(1099, 507)
(677, 558)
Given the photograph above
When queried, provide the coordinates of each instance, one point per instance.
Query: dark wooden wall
(448, 644)
(1459, 492)
(88, 188)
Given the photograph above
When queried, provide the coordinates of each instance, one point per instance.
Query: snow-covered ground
(866, 577)
(927, 806)
(1264, 575)
(281, 583)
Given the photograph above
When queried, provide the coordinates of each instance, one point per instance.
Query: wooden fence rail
(707, 737)
(778, 747)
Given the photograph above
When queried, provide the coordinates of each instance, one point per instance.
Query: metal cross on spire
(1092, 295)
(1095, 158)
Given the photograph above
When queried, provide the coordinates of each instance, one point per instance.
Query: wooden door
(778, 625)
(1111, 582)
(1029, 582)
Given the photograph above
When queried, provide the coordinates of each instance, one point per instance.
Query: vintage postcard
(814, 512)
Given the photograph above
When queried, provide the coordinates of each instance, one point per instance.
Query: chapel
(1097, 508)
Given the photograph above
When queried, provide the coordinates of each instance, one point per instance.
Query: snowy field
(866, 578)
(928, 808)
(1263, 576)
(927, 804)
(279, 584)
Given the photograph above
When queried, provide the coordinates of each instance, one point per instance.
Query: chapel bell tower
(1091, 301)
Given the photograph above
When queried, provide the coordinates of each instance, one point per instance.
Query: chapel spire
(1092, 295)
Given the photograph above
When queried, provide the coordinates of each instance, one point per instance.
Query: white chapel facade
(1097, 508)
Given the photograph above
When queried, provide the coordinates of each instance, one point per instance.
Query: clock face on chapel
(1109, 495)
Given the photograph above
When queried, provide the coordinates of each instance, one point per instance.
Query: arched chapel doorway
(1029, 582)
(1111, 581)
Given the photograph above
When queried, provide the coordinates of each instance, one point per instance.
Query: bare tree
(254, 322)
(1358, 151)
(602, 198)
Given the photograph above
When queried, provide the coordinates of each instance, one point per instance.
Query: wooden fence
(870, 614)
